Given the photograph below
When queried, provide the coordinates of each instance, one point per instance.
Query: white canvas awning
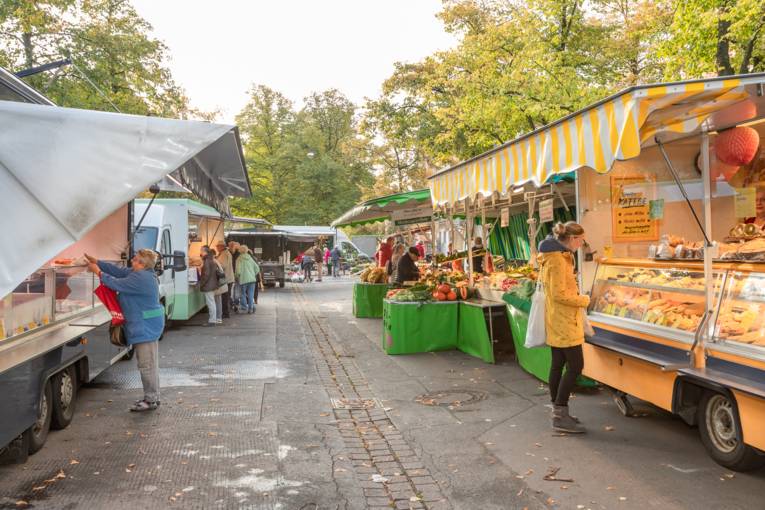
(63, 170)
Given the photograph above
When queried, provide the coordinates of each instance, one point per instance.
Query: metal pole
(700, 361)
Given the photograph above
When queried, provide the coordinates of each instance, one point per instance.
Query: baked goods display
(654, 307)
(741, 323)
(674, 279)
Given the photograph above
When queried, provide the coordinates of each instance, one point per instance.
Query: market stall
(410, 208)
(671, 194)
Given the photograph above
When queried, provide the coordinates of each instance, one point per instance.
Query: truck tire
(281, 284)
(720, 431)
(64, 391)
(39, 431)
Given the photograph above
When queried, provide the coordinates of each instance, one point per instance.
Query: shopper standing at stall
(318, 256)
(138, 294)
(392, 266)
(478, 259)
(236, 293)
(247, 271)
(564, 318)
(208, 284)
(385, 252)
(226, 261)
(336, 261)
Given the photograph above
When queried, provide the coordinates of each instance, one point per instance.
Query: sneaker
(562, 422)
(144, 405)
(219, 321)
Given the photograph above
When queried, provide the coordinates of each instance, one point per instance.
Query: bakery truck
(67, 180)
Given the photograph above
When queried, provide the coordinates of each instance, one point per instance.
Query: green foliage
(307, 166)
(522, 64)
(106, 40)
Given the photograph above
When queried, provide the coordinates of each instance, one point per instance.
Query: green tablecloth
(474, 338)
(419, 327)
(368, 299)
(535, 361)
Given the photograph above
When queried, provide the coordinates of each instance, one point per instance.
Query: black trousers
(226, 299)
(562, 384)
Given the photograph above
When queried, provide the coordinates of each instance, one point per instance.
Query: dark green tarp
(368, 299)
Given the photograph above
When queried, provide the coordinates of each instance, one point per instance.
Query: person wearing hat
(226, 261)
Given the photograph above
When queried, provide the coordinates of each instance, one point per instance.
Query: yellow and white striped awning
(613, 129)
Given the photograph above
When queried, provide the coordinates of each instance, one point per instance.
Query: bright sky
(219, 49)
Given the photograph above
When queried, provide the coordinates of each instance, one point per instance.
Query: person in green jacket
(247, 277)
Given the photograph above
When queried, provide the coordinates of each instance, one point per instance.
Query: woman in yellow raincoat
(564, 318)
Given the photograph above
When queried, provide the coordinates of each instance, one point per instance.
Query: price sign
(546, 210)
(504, 217)
(631, 210)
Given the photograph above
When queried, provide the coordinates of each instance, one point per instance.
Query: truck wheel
(39, 431)
(623, 403)
(719, 428)
(281, 284)
(64, 392)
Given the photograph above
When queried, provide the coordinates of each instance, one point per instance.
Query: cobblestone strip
(387, 468)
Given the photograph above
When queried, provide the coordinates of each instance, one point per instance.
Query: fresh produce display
(524, 289)
(506, 281)
(374, 275)
(417, 293)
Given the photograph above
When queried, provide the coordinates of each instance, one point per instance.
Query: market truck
(177, 229)
(274, 250)
(74, 173)
(671, 193)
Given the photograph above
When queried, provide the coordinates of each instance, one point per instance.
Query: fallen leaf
(622, 498)
(21, 503)
(73, 462)
(39, 488)
(552, 476)
(323, 414)
(60, 475)
(564, 487)
(608, 428)
(729, 476)
(538, 445)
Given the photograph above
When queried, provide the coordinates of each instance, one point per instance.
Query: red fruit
(440, 296)
(451, 296)
(463, 292)
(444, 288)
(737, 146)
(436, 294)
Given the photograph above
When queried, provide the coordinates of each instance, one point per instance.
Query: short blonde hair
(147, 257)
(243, 248)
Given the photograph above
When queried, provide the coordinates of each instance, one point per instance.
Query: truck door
(167, 279)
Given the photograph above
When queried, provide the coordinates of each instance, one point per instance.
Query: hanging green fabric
(512, 242)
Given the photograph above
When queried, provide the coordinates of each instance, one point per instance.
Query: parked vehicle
(177, 229)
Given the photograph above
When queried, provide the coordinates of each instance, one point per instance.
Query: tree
(715, 37)
(108, 43)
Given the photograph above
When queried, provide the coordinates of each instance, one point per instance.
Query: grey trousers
(211, 306)
(147, 358)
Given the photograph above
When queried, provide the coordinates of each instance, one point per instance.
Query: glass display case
(664, 299)
(45, 297)
(741, 319)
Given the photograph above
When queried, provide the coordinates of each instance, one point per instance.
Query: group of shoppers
(320, 257)
(230, 279)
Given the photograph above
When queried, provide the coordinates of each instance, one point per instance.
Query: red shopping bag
(109, 298)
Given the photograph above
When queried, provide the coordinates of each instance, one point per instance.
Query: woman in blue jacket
(138, 292)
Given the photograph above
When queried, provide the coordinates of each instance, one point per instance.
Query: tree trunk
(29, 56)
(724, 67)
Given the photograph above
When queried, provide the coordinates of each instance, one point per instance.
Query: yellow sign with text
(631, 209)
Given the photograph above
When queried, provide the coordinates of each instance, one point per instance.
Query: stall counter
(368, 299)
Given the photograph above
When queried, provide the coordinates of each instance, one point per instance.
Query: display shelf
(646, 286)
(643, 327)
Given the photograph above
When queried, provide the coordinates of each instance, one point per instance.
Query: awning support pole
(679, 183)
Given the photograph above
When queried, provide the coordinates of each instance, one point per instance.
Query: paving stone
(383, 458)
(422, 480)
(374, 492)
(411, 465)
(378, 501)
(417, 472)
(401, 486)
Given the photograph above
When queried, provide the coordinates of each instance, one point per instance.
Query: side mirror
(179, 261)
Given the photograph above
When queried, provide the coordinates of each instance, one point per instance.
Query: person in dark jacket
(478, 259)
(138, 294)
(406, 269)
(208, 284)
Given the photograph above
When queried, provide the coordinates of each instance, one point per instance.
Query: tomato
(444, 288)
(440, 296)
(451, 296)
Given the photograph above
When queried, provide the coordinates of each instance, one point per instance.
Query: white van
(178, 228)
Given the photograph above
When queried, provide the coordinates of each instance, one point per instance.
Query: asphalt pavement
(297, 407)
